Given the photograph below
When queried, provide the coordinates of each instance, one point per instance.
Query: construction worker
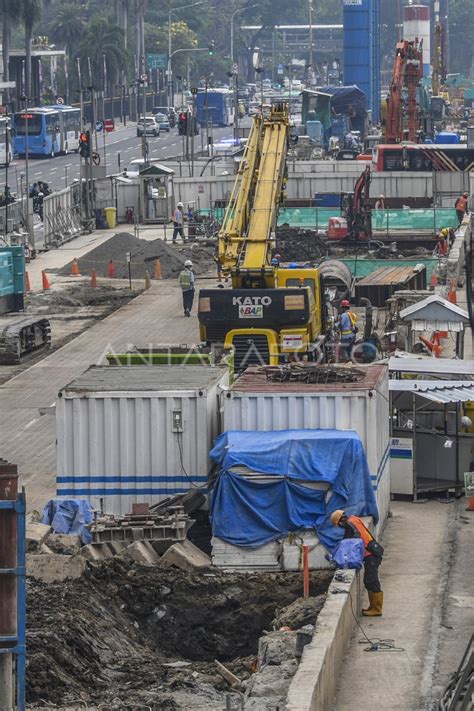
(462, 206)
(348, 329)
(178, 222)
(442, 246)
(354, 528)
(380, 204)
(187, 282)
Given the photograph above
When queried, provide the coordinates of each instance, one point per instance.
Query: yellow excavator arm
(245, 239)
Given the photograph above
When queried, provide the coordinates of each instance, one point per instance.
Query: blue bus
(215, 107)
(69, 127)
(43, 132)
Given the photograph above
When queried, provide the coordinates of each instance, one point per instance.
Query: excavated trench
(113, 634)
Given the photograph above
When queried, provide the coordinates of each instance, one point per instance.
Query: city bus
(69, 127)
(423, 157)
(43, 132)
(215, 107)
(5, 157)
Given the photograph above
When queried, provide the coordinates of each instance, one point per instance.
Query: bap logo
(251, 306)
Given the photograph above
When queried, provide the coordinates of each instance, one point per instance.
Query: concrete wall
(457, 252)
(314, 685)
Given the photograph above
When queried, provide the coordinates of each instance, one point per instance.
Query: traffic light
(85, 144)
(211, 48)
(183, 123)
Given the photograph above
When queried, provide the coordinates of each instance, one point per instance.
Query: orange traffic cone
(470, 503)
(158, 269)
(452, 298)
(434, 281)
(94, 279)
(147, 280)
(46, 284)
(27, 282)
(111, 269)
(75, 268)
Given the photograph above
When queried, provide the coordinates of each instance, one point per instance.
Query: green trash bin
(110, 217)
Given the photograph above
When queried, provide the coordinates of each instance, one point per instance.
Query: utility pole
(30, 231)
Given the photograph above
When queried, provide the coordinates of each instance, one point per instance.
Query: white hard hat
(188, 263)
(381, 197)
(180, 204)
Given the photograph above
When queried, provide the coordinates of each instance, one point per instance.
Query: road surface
(121, 147)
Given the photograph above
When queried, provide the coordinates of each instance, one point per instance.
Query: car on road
(164, 122)
(169, 111)
(148, 126)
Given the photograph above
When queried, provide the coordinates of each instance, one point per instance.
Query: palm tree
(102, 38)
(68, 26)
(30, 11)
(9, 17)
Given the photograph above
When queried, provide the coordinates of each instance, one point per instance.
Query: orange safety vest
(461, 204)
(363, 532)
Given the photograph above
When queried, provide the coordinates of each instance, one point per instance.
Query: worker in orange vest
(354, 528)
(442, 245)
(462, 206)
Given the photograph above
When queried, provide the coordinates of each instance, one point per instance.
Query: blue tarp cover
(69, 516)
(245, 512)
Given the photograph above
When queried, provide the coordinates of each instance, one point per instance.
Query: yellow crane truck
(270, 314)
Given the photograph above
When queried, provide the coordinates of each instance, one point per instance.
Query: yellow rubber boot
(371, 599)
(376, 605)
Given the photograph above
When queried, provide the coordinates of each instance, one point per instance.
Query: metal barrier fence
(14, 214)
(62, 216)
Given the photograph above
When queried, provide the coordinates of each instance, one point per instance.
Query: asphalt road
(121, 147)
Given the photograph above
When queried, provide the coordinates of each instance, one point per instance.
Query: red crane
(407, 74)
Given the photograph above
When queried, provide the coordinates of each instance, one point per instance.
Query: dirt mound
(299, 245)
(77, 296)
(112, 633)
(144, 254)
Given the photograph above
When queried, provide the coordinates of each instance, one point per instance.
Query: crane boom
(407, 74)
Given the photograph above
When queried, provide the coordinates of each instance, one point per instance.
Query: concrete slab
(142, 552)
(55, 568)
(185, 555)
(36, 534)
(411, 574)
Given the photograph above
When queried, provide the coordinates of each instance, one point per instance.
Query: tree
(182, 37)
(9, 16)
(30, 11)
(67, 26)
(103, 38)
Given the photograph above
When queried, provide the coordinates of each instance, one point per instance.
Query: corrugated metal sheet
(115, 448)
(434, 308)
(380, 285)
(279, 406)
(389, 275)
(441, 392)
(435, 325)
(132, 378)
(432, 366)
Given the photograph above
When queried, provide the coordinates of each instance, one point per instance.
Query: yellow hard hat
(336, 516)
(445, 232)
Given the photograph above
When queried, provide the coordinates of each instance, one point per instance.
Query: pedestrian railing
(12, 217)
(62, 216)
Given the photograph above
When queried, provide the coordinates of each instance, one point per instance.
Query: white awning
(439, 367)
(441, 392)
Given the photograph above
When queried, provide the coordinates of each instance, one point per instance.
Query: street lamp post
(170, 79)
(236, 12)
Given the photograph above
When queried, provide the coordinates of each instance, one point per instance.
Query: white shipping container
(254, 403)
(136, 433)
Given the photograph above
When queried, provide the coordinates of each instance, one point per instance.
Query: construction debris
(185, 556)
(36, 534)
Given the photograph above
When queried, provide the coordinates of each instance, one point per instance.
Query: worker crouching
(354, 528)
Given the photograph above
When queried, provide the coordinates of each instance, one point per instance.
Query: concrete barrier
(457, 253)
(314, 685)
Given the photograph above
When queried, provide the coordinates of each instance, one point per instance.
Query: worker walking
(462, 206)
(187, 282)
(354, 528)
(348, 329)
(178, 222)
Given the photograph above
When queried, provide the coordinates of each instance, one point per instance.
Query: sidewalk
(414, 573)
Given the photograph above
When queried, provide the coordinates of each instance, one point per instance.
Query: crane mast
(407, 75)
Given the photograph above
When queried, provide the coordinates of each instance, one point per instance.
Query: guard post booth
(156, 194)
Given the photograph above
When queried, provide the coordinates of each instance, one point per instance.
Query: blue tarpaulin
(69, 516)
(246, 512)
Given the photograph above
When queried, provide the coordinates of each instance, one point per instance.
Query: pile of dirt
(77, 296)
(149, 635)
(298, 245)
(144, 254)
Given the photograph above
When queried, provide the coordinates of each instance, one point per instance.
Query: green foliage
(102, 38)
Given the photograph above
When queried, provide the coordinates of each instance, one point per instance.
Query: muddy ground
(129, 637)
(72, 307)
(144, 254)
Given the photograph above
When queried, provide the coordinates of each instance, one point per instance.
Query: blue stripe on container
(401, 454)
(127, 479)
(125, 492)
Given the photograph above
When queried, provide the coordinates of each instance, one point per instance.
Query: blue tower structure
(362, 60)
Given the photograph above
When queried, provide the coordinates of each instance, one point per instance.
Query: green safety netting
(361, 268)
(429, 219)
